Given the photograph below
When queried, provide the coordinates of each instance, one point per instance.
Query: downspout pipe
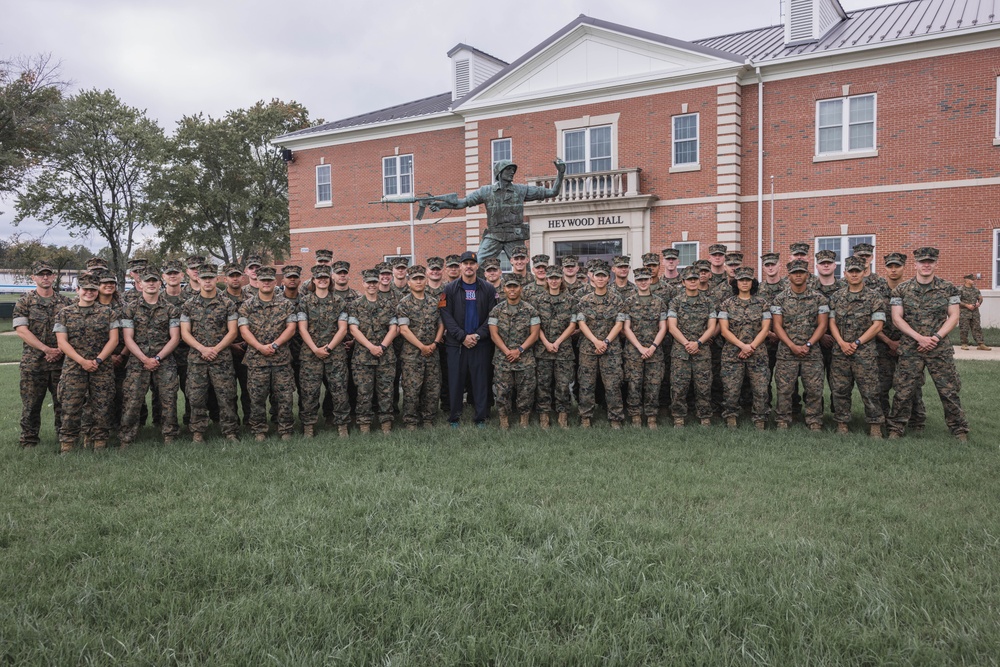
(760, 168)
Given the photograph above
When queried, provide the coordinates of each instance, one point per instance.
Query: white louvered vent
(800, 20)
(461, 78)
(810, 20)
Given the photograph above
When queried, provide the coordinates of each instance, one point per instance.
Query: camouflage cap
(402, 261)
(540, 260)
(600, 267)
(320, 271)
(208, 271)
(519, 251)
(622, 260)
(799, 248)
(291, 271)
(490, 263)
(926, 253)
(895, 258)
(369, 275)
(340, 266)
(770, 258)
(671, 253)
(267, 273)
(797, 265)
(88, 281)
(383, 267)
(651, 259)
(149, 272)
(254, 260)
(324, 255)
(690, 272)
(173, 266)
(106, 277)
(94, 262)
(826, 256)
(553, 271)
(865, 249)
(570, 260)
(435, 263)
(855, 263)
(511, 279)
(136, 263)
(195, 261)
(717, 249)
(744, 273)
(453, 260)
(232, 270)
(415, 271)
(969, 276)
(642, 273)
(702, 265)
(38, 268)
(734, 259)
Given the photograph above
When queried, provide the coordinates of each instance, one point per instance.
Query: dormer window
(810, 20)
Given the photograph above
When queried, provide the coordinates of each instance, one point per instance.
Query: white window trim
(697, 251)
(493, 151)
(413, 170)
(386, 258)
(324, 203)
(996, 249)
(586, 122)
(686, 166)
(844, 153)
(996, 136)
(845, 250)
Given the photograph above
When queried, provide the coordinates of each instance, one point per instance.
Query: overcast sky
(337, 58)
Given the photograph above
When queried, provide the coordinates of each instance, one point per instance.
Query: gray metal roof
(865, 27)
(424, 107)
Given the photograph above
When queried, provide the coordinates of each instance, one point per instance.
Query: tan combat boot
(706, 421)
(168, 440)
(651, 423)
(875, 431)
(197, 437)
(308, 430)
(965, 346)
(563, 420)
(962, 437)
(678, 422)
(65, 447)
(260, 437)
(842, 428)
(365, 428)
(815, 427)
(983, 346)
(286, 436)
(100, 445)
(428, 424)
(411, 427)
(504, 422)
(123, 445)
(386, 428)
(637, 421)
(232, 438)
(584, 422)
(731, 422)
(543, 420)
(342, 431)
(893, 435)
(616, 426)
(525, 419)
(782, 426)
(760, 425)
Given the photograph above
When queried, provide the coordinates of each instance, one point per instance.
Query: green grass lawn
(472, 547)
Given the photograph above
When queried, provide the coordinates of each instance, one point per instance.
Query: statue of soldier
(505, 226)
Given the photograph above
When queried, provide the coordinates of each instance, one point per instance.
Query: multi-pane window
(397, 175)
(845, 124)
(501, 150)
(998, 109)
(843, 246)
(996, 259)
(587, 149)
(324, 189)
(605, 249)
(687, 253)
(686, 139)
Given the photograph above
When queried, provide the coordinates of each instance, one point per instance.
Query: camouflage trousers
(667, 346)
(165, 383)
(643, 378)
(737, 371)
(786, 374)
(374, 381)
(80, 391)
(116, 408)
(718, 391)
(34, 385)
(693, 373)
(420, 385)
(219, 376)
(970, 321)
(608, 367)
(886, 372)
(278, 384)
(553, 378)
(861, 369)
(504, 383)
(316, 373)
(909, 379)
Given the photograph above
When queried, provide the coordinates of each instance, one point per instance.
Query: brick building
(877, 125)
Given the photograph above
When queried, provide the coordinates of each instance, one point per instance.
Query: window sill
(681, 168)
(853, 155)
(996, 141)
(324, 204)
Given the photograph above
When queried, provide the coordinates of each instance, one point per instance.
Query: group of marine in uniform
(707, 339)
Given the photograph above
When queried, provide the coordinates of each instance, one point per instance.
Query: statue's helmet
(500, 166)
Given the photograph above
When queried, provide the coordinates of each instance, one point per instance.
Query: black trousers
(473, 363)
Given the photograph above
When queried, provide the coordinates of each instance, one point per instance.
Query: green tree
(95, 178)
(19, 254)
(224, 191)
(30, 93)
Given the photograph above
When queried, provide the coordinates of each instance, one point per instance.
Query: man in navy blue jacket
(466, 306)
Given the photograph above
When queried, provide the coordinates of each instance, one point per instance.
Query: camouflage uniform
(421, 379)
(38, 314)
(854, 313)
(644, 376)
(513, 323)
(746, 319)
(623, 293)
(970, 320)
(554, 372)
(800, 317)
(238, 351)
(150, 325)
(322, 317)
(373, 375)
(209, 320)
(692, 314)
(925, 309)
(269, 376)
(600, 313)
(87, 330)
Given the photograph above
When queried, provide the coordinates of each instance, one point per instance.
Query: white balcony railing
(595, 185)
